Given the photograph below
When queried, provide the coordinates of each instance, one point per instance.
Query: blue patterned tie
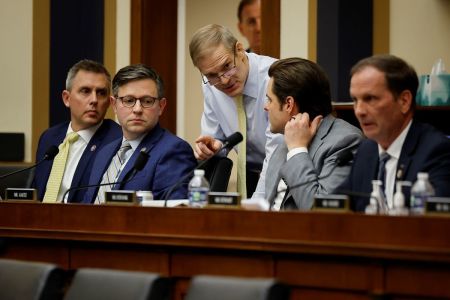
(384, 157)
(112, 173)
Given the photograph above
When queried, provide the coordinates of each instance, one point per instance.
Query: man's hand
(206, 146)
(299, 132)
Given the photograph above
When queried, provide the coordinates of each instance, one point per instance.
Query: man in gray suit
(298, 92)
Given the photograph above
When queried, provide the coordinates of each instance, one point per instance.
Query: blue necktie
(384, 157)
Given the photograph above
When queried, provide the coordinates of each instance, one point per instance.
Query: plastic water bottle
(399, 208)
(420, 192)
(198, 189)
(377, 200)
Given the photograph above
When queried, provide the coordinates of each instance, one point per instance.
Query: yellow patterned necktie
(59, 165)
(242, 154)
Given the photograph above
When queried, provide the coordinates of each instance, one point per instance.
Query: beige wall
(16, 69)
(420, 32)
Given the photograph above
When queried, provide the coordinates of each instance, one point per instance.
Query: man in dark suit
(87, 93)
(383, 89)
(138, 103)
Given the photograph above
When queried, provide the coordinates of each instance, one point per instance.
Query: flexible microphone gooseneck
(342, 159)
(50, 154)
(229, 142)
(139, 164)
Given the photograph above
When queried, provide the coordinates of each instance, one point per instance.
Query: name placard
(224, 199)
(16, 194)
(121, 197)
(438, 206)
(332, 202)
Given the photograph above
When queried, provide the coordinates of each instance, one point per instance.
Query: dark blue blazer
(107, 132)
(425, 150)
(170, 158)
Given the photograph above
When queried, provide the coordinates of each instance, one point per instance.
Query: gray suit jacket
(333, 137)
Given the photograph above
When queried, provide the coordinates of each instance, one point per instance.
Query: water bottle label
(418, 203)
(198, 197)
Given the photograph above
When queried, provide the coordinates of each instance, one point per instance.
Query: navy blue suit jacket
(107, 132)
(425, 150)
(170, 158)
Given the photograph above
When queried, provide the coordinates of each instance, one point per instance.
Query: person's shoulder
(342, 125)
(56, 129)
(428, 133)
(262, 61)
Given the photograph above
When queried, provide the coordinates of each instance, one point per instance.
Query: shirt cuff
(296, 151)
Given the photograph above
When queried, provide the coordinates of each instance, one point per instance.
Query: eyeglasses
(130, 101)
(215, 80)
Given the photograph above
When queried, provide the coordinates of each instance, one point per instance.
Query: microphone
(139, 164)
(50, 154)
(342, 159)
(228, 143)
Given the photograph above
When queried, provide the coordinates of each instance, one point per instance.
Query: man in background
(87, 95)
(383, 89)
(249, 16)
(234, 87)
(308, 162)
(138, 103)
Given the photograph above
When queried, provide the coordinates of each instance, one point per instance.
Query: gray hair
(88, 66)
(137, 72)
(211, 35)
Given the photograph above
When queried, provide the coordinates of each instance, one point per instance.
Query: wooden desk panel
(321, 255)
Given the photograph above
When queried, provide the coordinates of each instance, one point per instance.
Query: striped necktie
(242, 154)
(59, 165)
(384, 157)
(112, 173)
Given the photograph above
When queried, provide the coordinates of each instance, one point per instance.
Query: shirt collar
(85, 134)
(135, 143)
(251, 84)
(396, 147)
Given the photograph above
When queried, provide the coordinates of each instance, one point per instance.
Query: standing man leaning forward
(234, 87)
(299, 106)
(87, 95)
(383, 89)
(249, 16)
(138, 103)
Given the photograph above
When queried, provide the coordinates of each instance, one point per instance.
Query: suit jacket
(107, 132)
(333, 137)
(425, 150)
(170, 158)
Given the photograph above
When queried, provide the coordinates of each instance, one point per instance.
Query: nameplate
(224, 199)
(20, 194)
(438, 206)
(121, 197)
(334, 203)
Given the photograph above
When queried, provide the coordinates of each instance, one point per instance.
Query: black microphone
(228, 143)
(50, 154)
(139, 164)
(342, 159)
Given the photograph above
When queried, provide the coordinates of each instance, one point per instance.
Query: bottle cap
(199, 172)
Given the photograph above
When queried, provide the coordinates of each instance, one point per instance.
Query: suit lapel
(408, 149)
(322, 132)
(147, 144)
(273, 171)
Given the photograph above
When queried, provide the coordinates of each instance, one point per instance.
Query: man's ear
(290, 104)
(239, 47)
(112, 103)
(66, 98)
(162, 105)
(405, 100)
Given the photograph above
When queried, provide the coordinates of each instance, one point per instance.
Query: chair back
(19, 180)
(217, 172)
(93, 284)
(30, 280)
(234, 288)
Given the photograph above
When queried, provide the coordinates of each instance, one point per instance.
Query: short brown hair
(89, 66)
(303, 80)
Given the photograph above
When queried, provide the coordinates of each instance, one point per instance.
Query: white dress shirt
(220, 117)
(394, 151)
(75, 152)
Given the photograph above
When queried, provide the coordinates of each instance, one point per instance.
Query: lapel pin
(144, 149)
(93, 148)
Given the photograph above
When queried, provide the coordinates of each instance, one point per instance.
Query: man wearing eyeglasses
(87, 93)
(138, 103)
(234, 87)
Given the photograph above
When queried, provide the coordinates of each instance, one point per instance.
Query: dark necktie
(384, 157)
